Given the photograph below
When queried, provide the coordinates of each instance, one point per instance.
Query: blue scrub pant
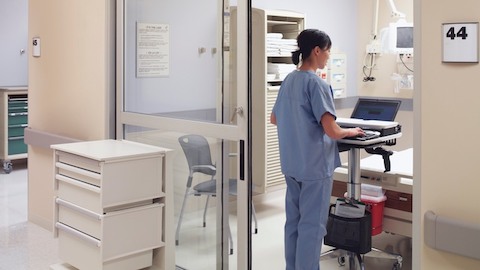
(306, 207)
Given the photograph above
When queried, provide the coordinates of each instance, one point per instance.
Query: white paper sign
(153, 47)
(460, 42)
(36, 46)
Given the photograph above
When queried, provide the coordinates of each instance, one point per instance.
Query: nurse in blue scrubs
(304, 113)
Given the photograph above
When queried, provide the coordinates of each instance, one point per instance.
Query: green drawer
(17, 118)
(16, 146)
(16, 130)
(20, 109)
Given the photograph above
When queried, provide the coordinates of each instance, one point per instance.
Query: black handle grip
(242, 160)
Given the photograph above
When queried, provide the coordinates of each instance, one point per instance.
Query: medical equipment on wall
(396, 39)
(377, 43)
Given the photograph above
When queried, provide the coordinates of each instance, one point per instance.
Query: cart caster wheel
(7, 167)
(341, 260)
(397, 266)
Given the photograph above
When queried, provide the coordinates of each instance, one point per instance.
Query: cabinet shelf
(272, 22)
(266, 158)
(266, 172)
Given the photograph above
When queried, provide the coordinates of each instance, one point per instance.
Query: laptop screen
(376, 109)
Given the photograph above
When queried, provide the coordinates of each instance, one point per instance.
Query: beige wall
(446, 99)
(69, 85)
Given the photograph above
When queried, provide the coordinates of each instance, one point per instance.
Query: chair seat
(211, 187)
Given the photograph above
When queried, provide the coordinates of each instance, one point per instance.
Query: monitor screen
(376, 109)
(400, 38)
(404, 37)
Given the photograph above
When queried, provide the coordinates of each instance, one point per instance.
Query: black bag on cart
(350, 234)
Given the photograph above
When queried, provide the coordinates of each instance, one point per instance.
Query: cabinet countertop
(13, 88)
(109, 150)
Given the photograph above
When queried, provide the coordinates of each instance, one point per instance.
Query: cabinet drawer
(116, 226)
(338, 78)
(79, 161)
(79, 174)
(16, 145)
(79, 218)
(19, 109)
(339, 92)
(142, 178)
(84, 252)
(88, 196)
(16, 130)
(399, 200)
(17, 103)
(82, 194)
(395, 200)
(17, 118)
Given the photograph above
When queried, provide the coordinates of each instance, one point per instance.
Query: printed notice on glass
(153, 45)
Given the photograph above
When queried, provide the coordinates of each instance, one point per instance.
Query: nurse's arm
(273, 119)
(334, 131)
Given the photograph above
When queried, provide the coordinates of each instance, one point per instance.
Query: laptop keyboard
(369, 134)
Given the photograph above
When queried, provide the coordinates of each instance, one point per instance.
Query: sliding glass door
(182, 83)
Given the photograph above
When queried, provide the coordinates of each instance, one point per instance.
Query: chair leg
(254, 219)
(205, 212)
(180, 217)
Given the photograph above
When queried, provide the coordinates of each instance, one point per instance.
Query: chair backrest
(197, 151)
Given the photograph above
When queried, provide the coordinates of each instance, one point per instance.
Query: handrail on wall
(451, 235)
(44, 139)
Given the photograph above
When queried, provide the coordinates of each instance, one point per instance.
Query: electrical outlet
(407, 58)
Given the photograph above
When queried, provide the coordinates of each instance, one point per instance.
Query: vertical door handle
(242, 160)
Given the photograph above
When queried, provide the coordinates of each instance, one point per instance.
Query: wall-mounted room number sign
(460, 42)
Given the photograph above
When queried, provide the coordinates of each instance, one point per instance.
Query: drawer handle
(78, 170)
(78, 209)
(77, 183)
(18, 114)
(17, 126)
(84, 237)
(15, 138)
(403, 199)
(13, 99)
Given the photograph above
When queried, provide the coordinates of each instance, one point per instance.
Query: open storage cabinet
(14, 105)
(272, 61)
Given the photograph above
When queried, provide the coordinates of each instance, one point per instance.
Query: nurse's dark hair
(309, 39)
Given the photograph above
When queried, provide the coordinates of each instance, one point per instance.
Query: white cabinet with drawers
(111, 210)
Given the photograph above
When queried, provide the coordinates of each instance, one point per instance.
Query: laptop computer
(375, 116)
(376, 109)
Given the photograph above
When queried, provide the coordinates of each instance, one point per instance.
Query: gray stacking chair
(197, 152)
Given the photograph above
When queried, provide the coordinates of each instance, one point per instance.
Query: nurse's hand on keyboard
(355, 132)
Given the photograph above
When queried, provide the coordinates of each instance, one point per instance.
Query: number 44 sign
(460, 42)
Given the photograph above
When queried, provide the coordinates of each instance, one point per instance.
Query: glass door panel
(181, 86)
(200, 215)
(172, 59)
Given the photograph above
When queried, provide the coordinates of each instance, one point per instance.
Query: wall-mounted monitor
(401, 38)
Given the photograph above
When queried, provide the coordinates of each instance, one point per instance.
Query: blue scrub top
(306, 151)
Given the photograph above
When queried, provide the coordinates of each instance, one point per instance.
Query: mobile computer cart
(362, 245)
